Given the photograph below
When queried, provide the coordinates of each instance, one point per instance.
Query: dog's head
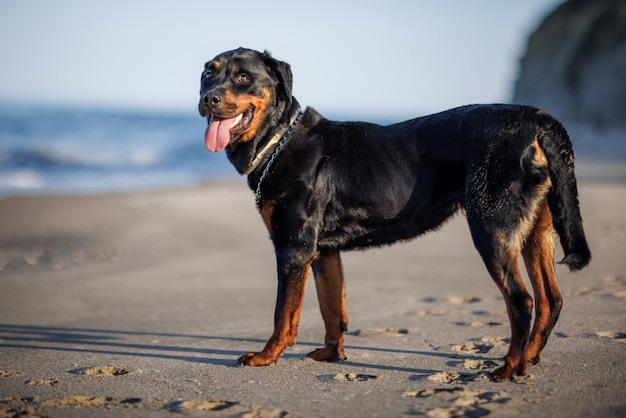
(242, 94)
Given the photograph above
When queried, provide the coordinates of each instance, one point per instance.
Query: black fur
(359, 184)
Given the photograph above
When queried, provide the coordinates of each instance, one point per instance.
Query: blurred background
(101, 97)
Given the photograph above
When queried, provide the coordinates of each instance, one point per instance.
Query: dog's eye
(207, 74)
(243, 79)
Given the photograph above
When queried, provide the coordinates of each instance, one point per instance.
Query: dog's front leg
(293, 270)
(331, 295)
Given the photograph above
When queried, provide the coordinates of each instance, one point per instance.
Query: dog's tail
(563, 195)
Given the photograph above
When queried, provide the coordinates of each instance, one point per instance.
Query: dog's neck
(271, 145)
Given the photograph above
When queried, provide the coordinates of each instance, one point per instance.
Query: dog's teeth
(237, 120)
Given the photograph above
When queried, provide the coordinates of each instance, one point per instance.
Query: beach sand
(139, 304)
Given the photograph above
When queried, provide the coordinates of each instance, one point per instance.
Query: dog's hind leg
(332, 300)
(538, 253)
(499, 252)
(519, 305)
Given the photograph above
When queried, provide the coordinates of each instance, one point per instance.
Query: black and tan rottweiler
(323, 187)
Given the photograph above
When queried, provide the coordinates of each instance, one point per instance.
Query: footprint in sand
(620, 294)
(10, 373)
(354, 377)
(42, 382)
(456, 299)
(424, 393)
(105, 371)
(460, 300)
(431, 312)
(496, 340)
(187, 407)
(471, 347)
(613, 280)
(381, 332)
(473, 364)
(483, 346)
(479, 364)
(581, 291)
(98, 405)
(459, 402)
(611, 334)
(235, 409)
(609, 280)
(459, 378)
(450, 377)
(496, 312)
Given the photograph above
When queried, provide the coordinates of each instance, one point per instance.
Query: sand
(139, 304)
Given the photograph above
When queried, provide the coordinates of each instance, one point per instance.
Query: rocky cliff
(575, 64)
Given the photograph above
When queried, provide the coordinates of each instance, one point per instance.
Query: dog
(323, 187)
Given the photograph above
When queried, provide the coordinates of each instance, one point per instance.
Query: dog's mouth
(220, 130)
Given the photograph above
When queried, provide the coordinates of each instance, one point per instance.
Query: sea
(87, 150)
(73, 150)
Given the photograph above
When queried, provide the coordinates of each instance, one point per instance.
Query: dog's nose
(212, 98)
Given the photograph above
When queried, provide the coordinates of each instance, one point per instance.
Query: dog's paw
(502, 374)
(256, 359)
(327, 354)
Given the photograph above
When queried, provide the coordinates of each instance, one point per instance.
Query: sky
(392, 59)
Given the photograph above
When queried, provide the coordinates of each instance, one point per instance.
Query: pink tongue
(217, 134)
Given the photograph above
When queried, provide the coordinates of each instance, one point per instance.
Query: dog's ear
(282, 71)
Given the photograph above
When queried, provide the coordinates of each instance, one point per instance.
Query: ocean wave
(79, 159)
(81, 150)
(20, 180)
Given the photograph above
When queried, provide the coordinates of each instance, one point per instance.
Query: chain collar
(261, 154)
(277, 150)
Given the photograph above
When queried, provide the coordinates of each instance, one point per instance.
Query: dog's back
(395, 182)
